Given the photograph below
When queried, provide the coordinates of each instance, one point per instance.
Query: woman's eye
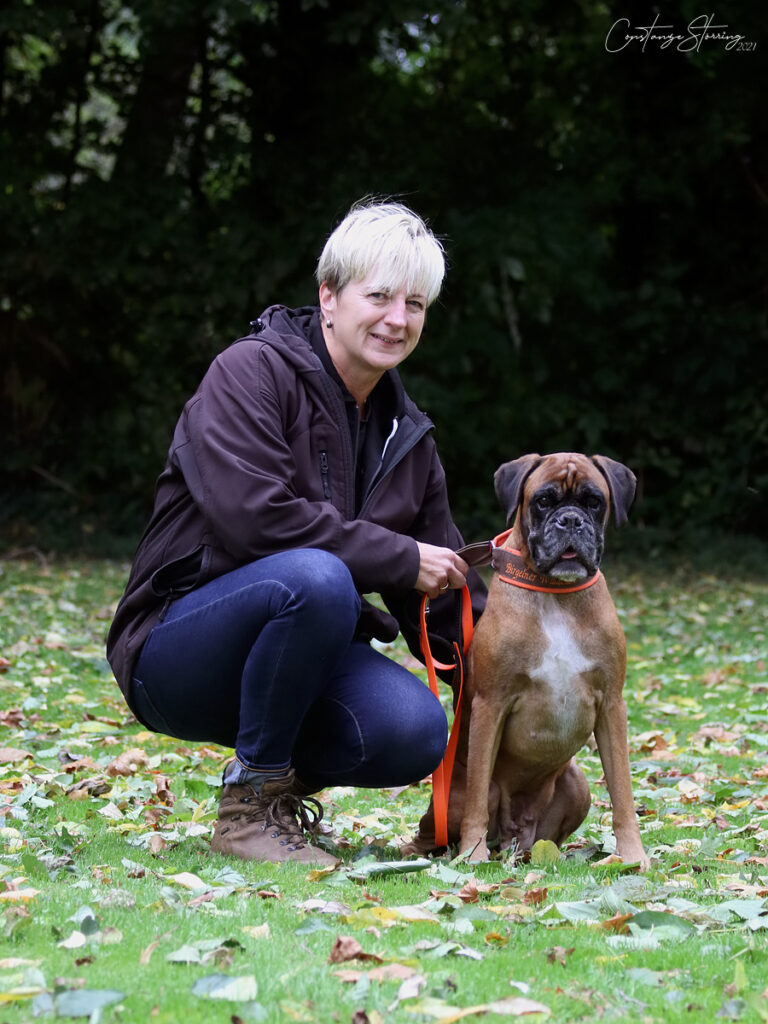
(416, 305)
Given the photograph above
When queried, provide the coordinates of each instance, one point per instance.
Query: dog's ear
(509, 479)
(621, 483)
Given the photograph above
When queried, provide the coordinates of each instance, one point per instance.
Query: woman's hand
(440, 569)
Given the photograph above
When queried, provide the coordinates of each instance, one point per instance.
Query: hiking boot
(268, 823)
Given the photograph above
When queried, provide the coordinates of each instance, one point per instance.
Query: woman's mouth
(386, 341)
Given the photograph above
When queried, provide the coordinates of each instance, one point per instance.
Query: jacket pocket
(179, 576)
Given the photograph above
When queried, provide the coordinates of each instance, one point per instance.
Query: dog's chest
(559, 707)
(562, 655)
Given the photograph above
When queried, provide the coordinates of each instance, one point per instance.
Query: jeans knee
(325, 587)
(432, 740)
(326, 577)
(414, 745)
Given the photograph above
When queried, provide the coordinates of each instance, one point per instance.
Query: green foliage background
(171, 169)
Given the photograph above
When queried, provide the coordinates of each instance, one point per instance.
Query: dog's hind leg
(568, 807)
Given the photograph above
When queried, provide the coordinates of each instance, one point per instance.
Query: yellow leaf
(317, 873)
(189, 881)
(20, 992)
(371, 916)
(19, 895)
(516, 910)
(544, 852)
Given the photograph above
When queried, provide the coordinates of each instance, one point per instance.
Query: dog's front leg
(611, 737)
(485, 726)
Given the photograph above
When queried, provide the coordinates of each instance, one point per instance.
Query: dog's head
(561, 504)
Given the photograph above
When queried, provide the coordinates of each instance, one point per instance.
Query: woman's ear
(327, 299)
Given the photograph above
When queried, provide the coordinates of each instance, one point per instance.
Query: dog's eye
(594, 502)
(544, 501)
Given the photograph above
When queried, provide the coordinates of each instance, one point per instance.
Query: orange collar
(509, 564)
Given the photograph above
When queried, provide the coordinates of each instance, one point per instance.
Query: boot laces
(293, 816)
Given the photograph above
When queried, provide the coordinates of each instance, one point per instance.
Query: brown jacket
(261, 461)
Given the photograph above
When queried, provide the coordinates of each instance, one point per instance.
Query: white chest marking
(562, 657)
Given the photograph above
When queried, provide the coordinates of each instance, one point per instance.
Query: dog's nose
(569, 519)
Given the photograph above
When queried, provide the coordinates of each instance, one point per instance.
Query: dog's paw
(416, 847)
(476, 853)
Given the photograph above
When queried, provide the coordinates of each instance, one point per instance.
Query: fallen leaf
(128, 763)
(346, 948)
(535, 896)
(511, 1006)
(559, 954)
(163, 790)
(75, 941)
(545, 852)
(617, 923)
(146, 954)
(387, 972)
(86, 1002)
(221, 986)
(19, 895)
(189, 881)
(10, 755)
(156, 845)
(469, 892)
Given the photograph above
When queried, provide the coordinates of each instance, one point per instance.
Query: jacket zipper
(383, 472)
(324, 475)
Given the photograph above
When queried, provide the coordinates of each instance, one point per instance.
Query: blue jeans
(263, 659)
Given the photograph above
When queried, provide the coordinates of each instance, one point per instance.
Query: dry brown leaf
(10, 755)
(559, 954)
(154, 815)
(13, 717)
(469, 892)
(156, 844)
(349, 976)
(346, 948)
(75, 766)
(128, 763)
(612, 858)
(535, 896)
(87, 788)
(715, 732)
(617, 923)
(163, 790)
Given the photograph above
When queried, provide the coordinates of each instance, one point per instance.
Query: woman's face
(373, 331)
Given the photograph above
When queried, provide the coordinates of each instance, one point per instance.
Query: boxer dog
(546, 668)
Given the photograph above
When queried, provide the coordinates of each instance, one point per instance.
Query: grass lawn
(112, 907)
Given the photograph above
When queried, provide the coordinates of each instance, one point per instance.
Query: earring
(328, 322)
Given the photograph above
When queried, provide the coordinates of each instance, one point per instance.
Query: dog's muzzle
(566, 545)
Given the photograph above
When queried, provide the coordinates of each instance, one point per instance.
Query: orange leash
(441, 776)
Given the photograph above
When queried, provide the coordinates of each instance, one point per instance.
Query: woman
(300, 477)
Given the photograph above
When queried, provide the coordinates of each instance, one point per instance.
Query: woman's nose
(397, 312)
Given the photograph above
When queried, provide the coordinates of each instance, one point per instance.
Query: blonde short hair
(386, 239)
